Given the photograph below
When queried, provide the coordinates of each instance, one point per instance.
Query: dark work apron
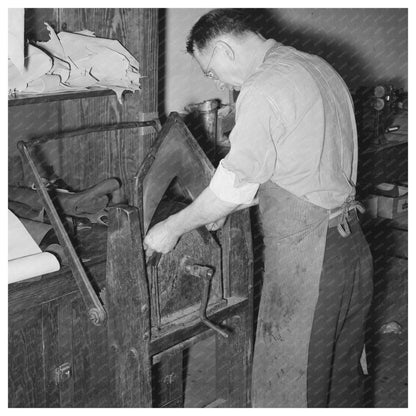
(294, 236)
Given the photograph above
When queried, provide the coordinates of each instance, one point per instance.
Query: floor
(390, 372)
(200, 380)
(388, 336)
(386, 384)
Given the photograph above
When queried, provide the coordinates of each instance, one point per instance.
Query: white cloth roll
(26, 259)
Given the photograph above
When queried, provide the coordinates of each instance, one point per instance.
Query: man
(295, 144)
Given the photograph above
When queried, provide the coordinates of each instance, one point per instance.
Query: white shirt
(295, 126)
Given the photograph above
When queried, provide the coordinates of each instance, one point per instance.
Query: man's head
(222, 42)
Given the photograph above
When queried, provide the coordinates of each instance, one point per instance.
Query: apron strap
(350, 204)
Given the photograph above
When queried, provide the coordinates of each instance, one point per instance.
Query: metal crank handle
(216, 328)
(206, 274)
(203, 309)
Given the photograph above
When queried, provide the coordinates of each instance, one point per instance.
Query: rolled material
(26, 259)
(30, 266)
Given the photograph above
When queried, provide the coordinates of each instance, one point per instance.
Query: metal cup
(207, 113)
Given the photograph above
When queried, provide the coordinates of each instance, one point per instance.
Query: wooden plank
(231, 363)
(142, 41)
(168, 380)
(200, 373)
(26, 122)
(121, 153)
(225, 233)
(183, 345)
(33, 119)
(241, 272)
(248, 283)
(19, 99)
(82, 358)
(180, 334)
(88, 161)
(127, 305)
(26, 376)
(236, 242)
(176, 154)
(84, 162)
(51, 352)
(91, 370)
(31, 293)
(65, 335)
(65, 353)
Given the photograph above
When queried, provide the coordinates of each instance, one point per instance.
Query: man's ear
(229, 51)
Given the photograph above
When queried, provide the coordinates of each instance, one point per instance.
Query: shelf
(23, 99)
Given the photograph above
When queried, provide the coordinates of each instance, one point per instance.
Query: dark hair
(218, 22)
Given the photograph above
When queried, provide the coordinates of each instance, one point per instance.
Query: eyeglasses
(208, 73)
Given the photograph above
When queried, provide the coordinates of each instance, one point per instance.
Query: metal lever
(205, 273)
(96, 312)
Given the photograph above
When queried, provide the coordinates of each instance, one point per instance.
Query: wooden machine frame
(60, 355)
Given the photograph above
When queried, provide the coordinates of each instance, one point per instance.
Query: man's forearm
(207, 208)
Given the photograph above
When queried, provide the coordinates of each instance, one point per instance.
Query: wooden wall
(84, 161)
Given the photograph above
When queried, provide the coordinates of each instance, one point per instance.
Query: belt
(339, 217)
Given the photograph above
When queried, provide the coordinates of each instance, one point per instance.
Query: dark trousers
(337, 339)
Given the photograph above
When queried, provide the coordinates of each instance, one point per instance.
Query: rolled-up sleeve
(223, 184)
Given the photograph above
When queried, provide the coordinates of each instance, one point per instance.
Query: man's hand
(216, 225)
(160, 238)
(206, 209)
